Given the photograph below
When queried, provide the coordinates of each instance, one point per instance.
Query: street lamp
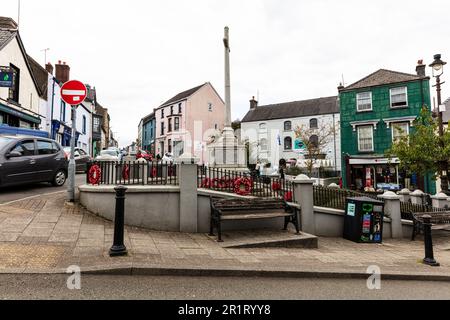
(438, 70)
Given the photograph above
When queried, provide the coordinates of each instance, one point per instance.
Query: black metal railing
(235, 182)
(131, 173)
(408, 209)
(336, 198)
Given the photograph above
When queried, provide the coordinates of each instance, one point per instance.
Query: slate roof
(8, 30)
(382, 77)
(183, 95)
(41, 76)
(296, 109)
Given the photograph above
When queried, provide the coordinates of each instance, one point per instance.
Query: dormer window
(399, 97)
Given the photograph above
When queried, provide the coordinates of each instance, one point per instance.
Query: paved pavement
(8, 194)
(212, 288)
(43, 235)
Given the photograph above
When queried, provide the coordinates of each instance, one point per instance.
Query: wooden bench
(251, 209)
(440, 221)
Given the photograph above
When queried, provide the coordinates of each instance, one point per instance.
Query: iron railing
(336, 198)
(131, 173)
(229, 181)
(408, 209)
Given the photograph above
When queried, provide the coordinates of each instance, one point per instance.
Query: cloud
(141, 53)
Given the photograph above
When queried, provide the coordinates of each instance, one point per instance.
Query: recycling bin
(364, 220)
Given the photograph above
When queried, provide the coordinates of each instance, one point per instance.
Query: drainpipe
(53, 104)
(335, 146)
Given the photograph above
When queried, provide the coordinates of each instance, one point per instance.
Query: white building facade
(270, 132)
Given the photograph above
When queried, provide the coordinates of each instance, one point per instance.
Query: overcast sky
(140, 53)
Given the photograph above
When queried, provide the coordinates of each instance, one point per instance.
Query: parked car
(81, 158)
(117, 150)
(108, 155)
(25, 159)
(168, 158)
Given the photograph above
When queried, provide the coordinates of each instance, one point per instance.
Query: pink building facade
(189, 122)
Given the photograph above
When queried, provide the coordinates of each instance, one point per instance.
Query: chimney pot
(62, 73)
(253, 104)
(421, 68)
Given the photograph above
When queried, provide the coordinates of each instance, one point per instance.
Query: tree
(315, 140)
(423, 150)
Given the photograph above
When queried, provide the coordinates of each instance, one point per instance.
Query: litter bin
(364, 220)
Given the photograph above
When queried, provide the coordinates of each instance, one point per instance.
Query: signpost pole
(72, 164)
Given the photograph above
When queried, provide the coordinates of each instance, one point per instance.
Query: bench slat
(256, 216)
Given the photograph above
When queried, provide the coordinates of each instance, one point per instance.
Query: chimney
(49, 68)
(253, 104)
(62, 72)
(341, 87)
(420, 69)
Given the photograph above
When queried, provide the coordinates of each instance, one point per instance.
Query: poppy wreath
(206, 183)
(288, 196)
(216, 184)
(243, 182)
(226, 183)
(126, 172)
(276, 186)
(94, 175)
(154, 172)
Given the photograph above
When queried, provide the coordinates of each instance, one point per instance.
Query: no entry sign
(73, 92)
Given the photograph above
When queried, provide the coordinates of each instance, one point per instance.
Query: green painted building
(374, 112)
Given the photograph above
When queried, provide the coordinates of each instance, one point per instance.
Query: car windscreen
(109, 153)
(5, 141)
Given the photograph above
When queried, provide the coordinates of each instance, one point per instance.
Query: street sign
(73, 92)
(6, 79)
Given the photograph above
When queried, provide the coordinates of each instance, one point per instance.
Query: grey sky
(140, 53)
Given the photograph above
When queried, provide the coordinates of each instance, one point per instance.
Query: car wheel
(60, 178)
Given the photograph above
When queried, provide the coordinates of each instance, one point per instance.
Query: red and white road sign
(73, 92)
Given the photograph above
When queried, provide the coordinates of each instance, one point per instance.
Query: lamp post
(438, 70)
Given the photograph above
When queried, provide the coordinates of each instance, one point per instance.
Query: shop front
(63, 134)
(382, 174)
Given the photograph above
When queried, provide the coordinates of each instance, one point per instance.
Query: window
(162, 114)
(171, 110)
(45, 148)
(62, 112)
(288, 126)
(14, 90)
(1, 119)
(177, 124)
(365, 139)
(96, 124)
(399, 130)
(178, 147)
(216, 127)
(24, 125)
(180, 109)
(288, 143)
(162, 128)
(262, 126)
(313, 124)
(399, 97)
(25, 148)
(364, 101)
(170, 126)
(170, 146)
(263, 145)
(314, 141)
(84, 124)
(210, 107)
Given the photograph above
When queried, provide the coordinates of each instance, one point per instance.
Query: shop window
(24, 125)
(365, 139)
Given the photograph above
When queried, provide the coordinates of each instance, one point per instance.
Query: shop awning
(362, 161)
(19, 114)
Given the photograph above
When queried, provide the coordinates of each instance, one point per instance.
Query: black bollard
(118, 249)
(429, 255)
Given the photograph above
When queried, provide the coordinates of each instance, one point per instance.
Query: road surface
(207, 288)
(19, 192)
